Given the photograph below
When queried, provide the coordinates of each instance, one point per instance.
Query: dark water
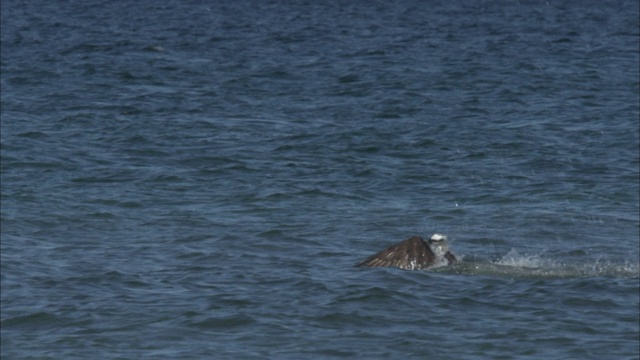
(193, 179)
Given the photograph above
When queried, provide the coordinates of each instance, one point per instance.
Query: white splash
(514, 264)
(513, 258)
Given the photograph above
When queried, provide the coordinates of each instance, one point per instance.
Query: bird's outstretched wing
(411, 254)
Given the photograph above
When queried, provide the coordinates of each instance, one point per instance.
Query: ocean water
(197, 179)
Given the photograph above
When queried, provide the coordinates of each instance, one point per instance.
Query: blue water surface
(196, 179)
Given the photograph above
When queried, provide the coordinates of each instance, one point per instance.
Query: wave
(516, 265)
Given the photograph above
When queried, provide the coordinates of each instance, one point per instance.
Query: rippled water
(197, 179)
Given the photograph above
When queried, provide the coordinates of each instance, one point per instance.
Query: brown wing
(411, 254)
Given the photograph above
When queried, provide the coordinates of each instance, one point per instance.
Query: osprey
(413, 254)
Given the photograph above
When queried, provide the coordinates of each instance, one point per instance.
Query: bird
(413, 254)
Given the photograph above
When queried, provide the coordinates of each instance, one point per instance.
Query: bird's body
(413, 254)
